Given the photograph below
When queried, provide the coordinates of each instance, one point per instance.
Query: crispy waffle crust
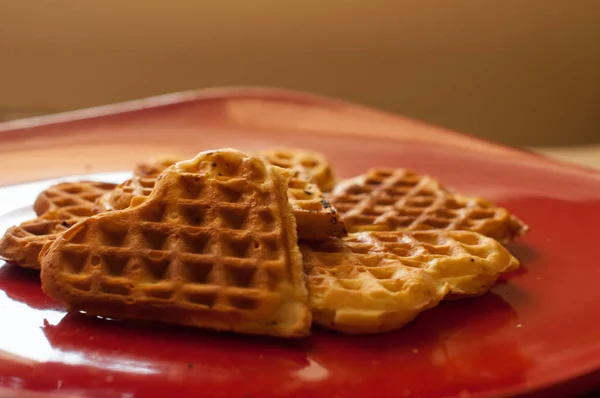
(399, 199)
(316, 218)
(213, 246)
(58, 207)
(373, 282)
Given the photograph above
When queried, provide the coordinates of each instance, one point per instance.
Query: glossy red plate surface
(537, 332)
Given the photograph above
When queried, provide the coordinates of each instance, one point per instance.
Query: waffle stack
(214, 246)
(316, 219)
(251, 243)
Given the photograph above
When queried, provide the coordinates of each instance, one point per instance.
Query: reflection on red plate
(536, 330)
(76, 352)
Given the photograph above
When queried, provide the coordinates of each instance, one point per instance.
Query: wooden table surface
(585, 155)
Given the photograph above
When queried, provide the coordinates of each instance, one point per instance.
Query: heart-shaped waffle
(213, 246)
(372, 282)
(399, 199)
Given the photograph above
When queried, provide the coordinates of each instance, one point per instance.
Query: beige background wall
(520, 71)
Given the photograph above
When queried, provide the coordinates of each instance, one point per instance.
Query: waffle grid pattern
(315, 217)
(415, 250)
(59, 207)
(213, 244)
(371, 282)
(398, 199)
(71, 199)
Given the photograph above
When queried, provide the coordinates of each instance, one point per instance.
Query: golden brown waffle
(21, 244)
(374, 282)
(316, 219)
(311, 163)
(59, 207)
(213, 246)
(399, 199)
(70, 197)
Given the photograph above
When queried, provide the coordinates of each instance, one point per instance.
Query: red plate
(538, 331)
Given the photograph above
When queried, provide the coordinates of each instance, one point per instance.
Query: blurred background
(521, 72)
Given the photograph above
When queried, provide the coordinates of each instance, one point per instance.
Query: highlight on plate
(263, 243)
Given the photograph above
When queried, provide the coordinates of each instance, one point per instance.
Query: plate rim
(273, 94)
